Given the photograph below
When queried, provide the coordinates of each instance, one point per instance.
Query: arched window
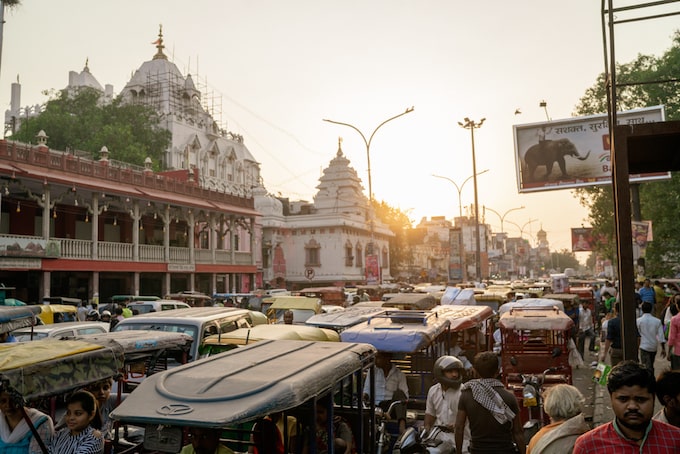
(312, 253)
(349, 258)
(359, 256)
(384, 259)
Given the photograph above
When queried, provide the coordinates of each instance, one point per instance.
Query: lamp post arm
(370, 139)
(353, 127)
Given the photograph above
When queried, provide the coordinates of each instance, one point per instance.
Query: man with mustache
(631, 388)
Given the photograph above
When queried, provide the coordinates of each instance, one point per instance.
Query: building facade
(327, 241)
(74, 226)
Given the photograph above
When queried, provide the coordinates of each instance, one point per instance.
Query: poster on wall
(573, 152)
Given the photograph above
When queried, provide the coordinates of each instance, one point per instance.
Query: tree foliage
(399, 223)
(659, 201)
(80, 122)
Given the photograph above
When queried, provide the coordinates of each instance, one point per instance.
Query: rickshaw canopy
(46, 367)
(351, 316)
(245, 336)
(243, 384)
(535, 318)
(15, 317)
(48, 312)
(528, 303)
(463, 317)
(412, 301)
(398, 331)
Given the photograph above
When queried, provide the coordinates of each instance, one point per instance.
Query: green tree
(80, 122)
(399, 223)
(659, 201)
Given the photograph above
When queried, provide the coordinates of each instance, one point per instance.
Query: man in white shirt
(585, 329)
(390, 386)
(442, 403)
(651, 335)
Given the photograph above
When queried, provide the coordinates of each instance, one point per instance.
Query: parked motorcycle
(425, 442)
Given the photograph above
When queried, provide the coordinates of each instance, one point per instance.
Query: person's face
(321, 415)
(382, 361)
(633, 407)
(452, 374)
(101, 390)
(77, 419)
(6, 405)
(204, 441)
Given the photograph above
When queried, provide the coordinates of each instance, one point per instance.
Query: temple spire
(339, 153)
(159, 45)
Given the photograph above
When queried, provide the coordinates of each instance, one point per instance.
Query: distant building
(324, 242)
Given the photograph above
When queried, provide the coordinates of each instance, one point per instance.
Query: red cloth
(661, 439)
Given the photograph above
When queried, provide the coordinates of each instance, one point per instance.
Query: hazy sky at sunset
(276, 68)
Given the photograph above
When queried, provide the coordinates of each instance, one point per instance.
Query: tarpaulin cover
(15, 317)
(46, 368)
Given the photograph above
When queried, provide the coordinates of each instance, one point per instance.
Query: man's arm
(461, 419)
(429, 422)
(518, 434)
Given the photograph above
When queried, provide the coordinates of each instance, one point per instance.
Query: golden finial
(159, 44)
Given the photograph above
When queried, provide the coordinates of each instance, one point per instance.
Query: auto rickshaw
(15, 317)
(302, 307)
(241, 387)
(535, 342)
(411, 301)
(340, 321)
(57, 313)
(218, 343)
(328, 295)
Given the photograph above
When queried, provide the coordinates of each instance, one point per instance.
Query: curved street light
(368, 159)
(472, 125)
(502, 218)
(521, 229)
(460, 188)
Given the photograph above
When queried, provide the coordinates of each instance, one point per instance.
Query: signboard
(29, 247)
(309, 273)
(455, 255)
(372, 270)
(573, 152)
(582, 239)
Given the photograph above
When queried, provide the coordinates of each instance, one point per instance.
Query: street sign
(309, 273)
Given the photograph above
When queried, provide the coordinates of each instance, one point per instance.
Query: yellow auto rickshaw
(57, 313)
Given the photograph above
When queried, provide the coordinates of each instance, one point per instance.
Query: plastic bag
(575, 358)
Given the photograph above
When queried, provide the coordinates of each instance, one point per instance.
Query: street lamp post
(521, 229)
(502, 218)
(472, 125)
(368, 160)
(459, 188)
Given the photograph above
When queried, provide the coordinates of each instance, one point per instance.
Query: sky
(275, 69)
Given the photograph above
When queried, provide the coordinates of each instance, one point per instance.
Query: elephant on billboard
(547, 153)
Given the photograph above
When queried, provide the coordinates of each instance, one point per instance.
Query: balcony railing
(124, 252)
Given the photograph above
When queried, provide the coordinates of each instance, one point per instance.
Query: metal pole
(459, 188)
(370, 184)
(471, 125)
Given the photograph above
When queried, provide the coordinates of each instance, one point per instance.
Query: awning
(194, 202)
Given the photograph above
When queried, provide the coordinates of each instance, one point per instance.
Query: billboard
(573, 152)
(581, 239)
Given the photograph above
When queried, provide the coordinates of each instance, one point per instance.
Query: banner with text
(573, 152)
